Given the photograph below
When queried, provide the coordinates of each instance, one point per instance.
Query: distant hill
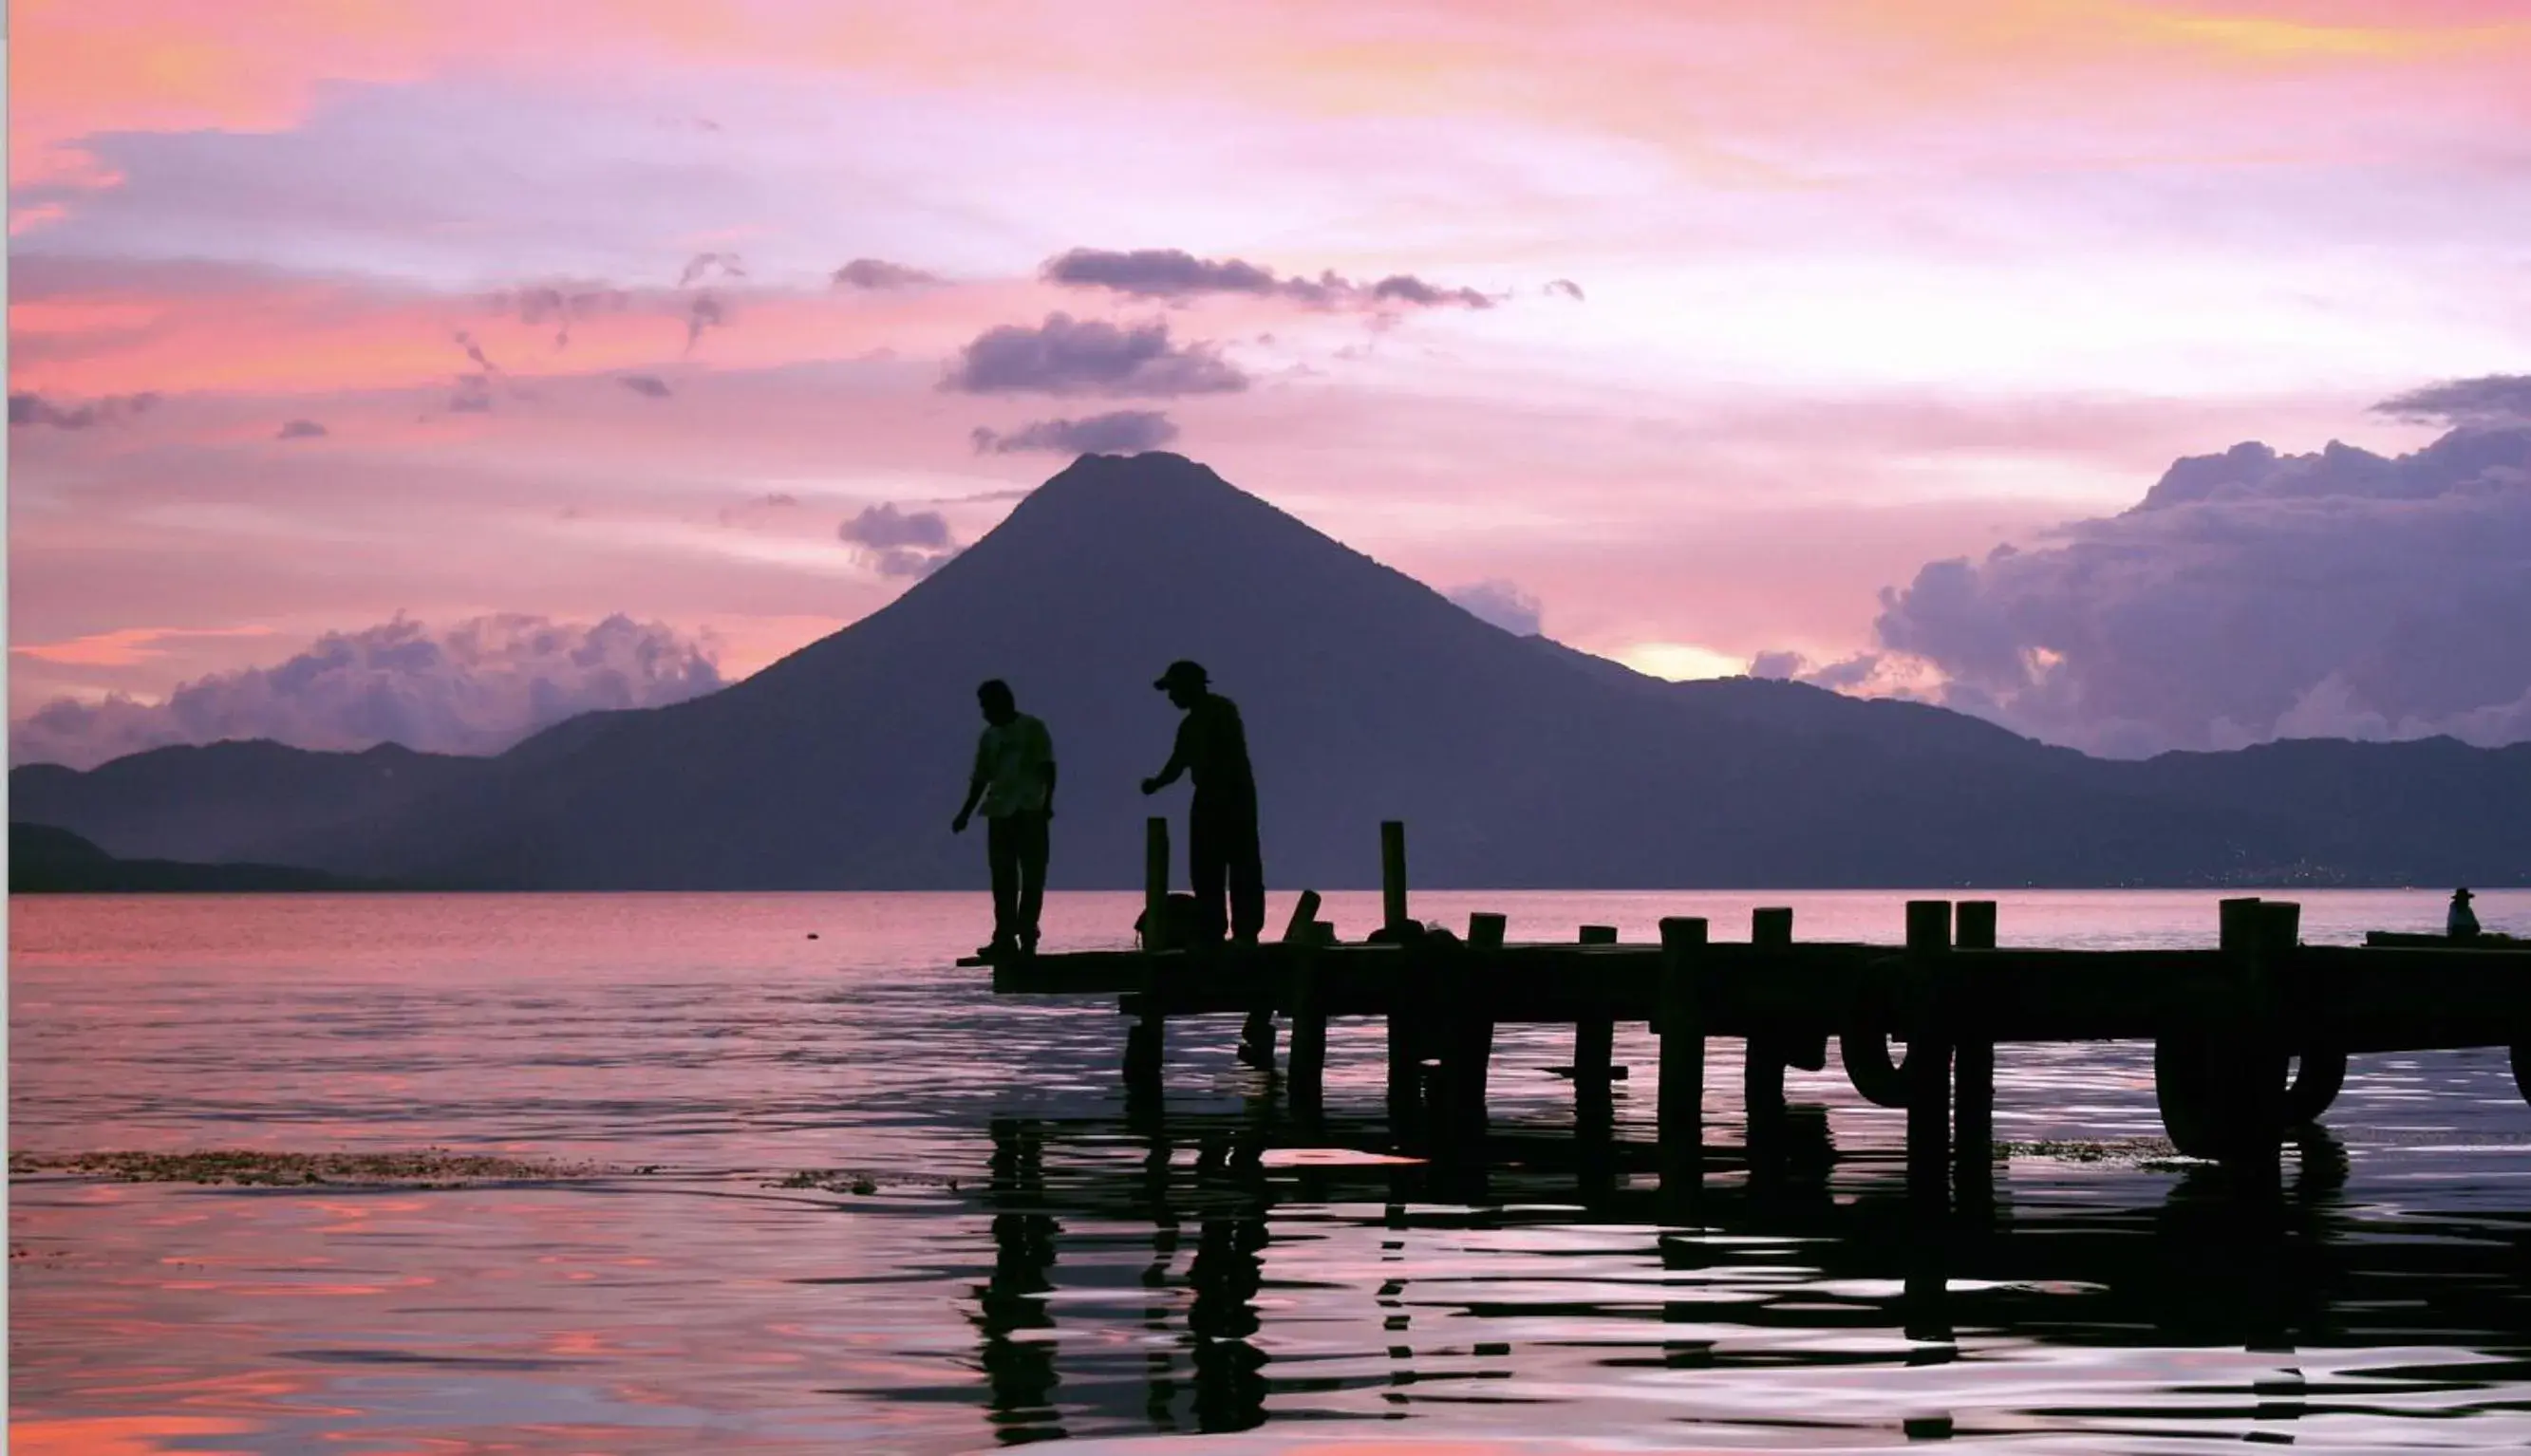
(1515, 762)
(44, 860)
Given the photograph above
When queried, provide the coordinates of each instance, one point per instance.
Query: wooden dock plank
(2363, 998)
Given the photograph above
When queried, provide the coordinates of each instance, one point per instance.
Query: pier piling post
(1681, 1027)
(1302, 1003)
(1407, 1017)
(1764, 1057)
(1156, 883)
(1468, 1036)
(1392, 873)
(1929, 1054)
(2260, 1053)
(1143, 1041)
(1308, 1063)
(1595, 1040)
(1973, 1111)
(1257, 1037)
(2218, 1064)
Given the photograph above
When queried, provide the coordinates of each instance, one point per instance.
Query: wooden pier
(2250, 1037)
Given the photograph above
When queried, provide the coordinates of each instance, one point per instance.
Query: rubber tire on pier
(2189, 1077)
(1878, 1078)
(2317, 1074)
(2191, 1105)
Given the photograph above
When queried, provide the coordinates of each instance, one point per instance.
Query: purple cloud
(1174, 274)
(474, 352)
(705, 264)
(883, 526)
(875, 274)
(901, 561)
(704, 312)
(1564, 288)
(1065, 356)
(1406, 288)
(560, 306)
(2254, 595)
(27, 409)
(2491, 401)
(300, 430)
(1117, 432)
(900, 543)
(478, 687)
(645, 385)
(473, 395)
(1500, 603)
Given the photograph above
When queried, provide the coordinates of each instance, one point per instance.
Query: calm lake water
(999, 1252)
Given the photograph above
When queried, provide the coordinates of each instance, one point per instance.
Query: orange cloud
(1704, 80)
(124, 647)
(117, 1436)
(206, 328)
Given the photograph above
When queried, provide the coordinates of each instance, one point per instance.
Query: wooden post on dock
(1143, 1041)
(1468, 1041)
(1595, 1040)
(2218, 1064)
(1392, 873)
(1973, 1112)
(1929, 1054)
(1257, 1034)
(1406, 1020)
(1156, 883)
(1681, 1027)
(1763, 1057)
(2259, 1051)
(1307, 1081)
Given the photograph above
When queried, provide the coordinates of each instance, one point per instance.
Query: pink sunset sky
(389, 351)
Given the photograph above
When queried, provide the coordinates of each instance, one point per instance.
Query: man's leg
(1031, 829)
(1247, 884)
(1208, 868)
(1003, 851)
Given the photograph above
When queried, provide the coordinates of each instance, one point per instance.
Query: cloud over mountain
(1116, 432)
(1501, 603)
(476, 688)
(1174, 274)
(1065, 356)
(900, 543)
(2254, 595)
(2490, 400)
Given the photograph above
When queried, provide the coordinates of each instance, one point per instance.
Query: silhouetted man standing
(2459, 923)
(1222, 823)
(1014, 781)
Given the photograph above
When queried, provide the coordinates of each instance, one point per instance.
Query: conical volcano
(1366, 696)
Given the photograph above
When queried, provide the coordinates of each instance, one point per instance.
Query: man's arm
(975, 782)
(1045, 759)
(1177, 760)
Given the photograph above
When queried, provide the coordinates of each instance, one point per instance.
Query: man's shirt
(1213, 746)
(1015, 760)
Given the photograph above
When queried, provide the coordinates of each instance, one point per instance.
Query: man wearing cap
(2462, 924)
(1014, 783)
(1222, 823)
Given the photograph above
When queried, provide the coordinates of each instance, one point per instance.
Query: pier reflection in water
(1778, 1267)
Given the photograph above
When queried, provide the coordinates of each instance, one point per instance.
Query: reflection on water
(1000, 1250)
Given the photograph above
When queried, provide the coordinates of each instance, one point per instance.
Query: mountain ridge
(1516, 762)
